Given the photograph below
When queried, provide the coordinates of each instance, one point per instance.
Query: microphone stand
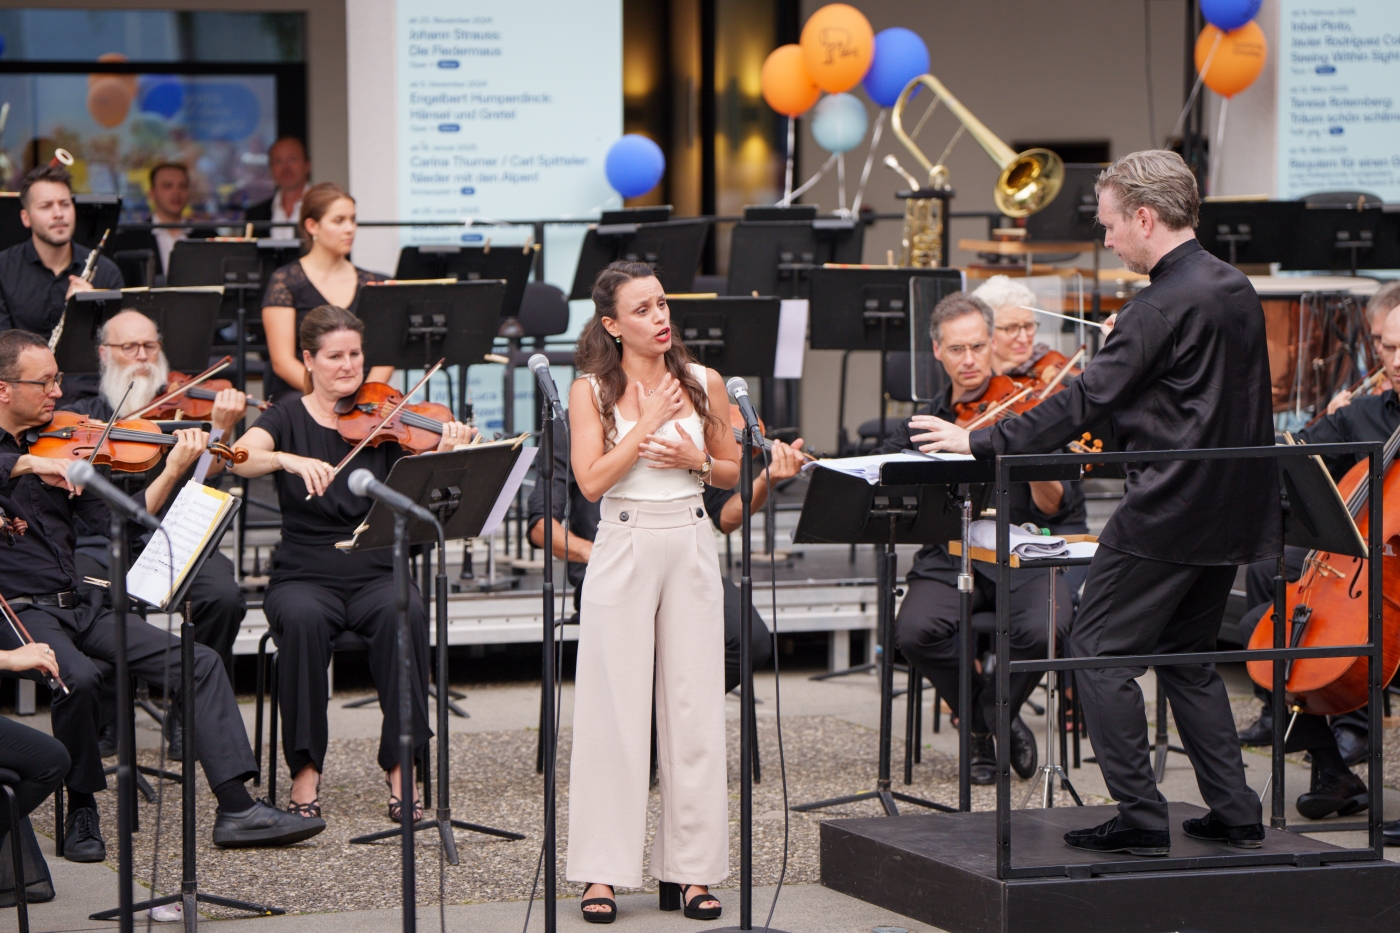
(547, 724)
(126, 725)
(406, 784)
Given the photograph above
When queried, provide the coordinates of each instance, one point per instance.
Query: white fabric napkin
(1024, 545)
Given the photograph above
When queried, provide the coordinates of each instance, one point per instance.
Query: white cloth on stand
(1024, 545)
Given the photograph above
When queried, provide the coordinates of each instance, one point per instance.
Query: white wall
(372, 122)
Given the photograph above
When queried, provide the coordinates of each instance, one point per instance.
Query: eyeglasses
(48, 384)
(1011, 329)
(151, 347)
(976, 349)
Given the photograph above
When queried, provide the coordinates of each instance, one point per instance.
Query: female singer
(316, 591)
(40, 760)
(324, 276)
(1014, 348)
(649, 429)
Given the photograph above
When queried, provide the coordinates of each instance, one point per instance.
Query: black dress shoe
(1390, 832)
(1351, 743)
(82, 837)
(1260, 733)
(107, 740)
(1024, 754)
(175, 750)
(1209, 828)
(984, 759)
(1339, 792)
(1111, 837)
(262, 825)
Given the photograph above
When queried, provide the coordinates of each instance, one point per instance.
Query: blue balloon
(900, 57)
(839, 122)
(1229, 14)
(634, 165)
(163, 97)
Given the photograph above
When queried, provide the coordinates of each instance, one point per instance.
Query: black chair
(33, 886)
(897, 386)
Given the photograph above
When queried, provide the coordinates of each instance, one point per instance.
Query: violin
(736, 423)
(195, 402)
(1002, 396)
(132, 446)
(417, 427)
(1329, 607)
(1048, 368)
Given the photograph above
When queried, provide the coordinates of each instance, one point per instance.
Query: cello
(1329, 606)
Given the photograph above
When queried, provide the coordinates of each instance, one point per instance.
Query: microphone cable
(770, 519)
(119, 614)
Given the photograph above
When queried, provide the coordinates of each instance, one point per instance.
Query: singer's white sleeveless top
(644, 484)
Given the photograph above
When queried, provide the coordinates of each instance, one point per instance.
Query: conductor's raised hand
(939, 435)
(1107, 324)
(672, 453)
(665, 403)
(317, 474)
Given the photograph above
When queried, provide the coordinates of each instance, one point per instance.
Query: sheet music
(792, 338)
(190, 523)
(517, 476)
(868, 467)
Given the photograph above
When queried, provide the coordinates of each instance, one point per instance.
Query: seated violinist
(317, 591)
(40, 581)
(926, 630)
(1015, 351)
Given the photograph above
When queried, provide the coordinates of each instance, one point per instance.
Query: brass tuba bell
(1028, 182)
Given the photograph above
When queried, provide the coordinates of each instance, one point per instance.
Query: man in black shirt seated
(1337, 743)
(926, 630)
(129, 352)
(39, 574)
(725, 510)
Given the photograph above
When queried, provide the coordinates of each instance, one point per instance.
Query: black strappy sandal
(671, 900)
(396, 807)
(308, 810)
(598, 916)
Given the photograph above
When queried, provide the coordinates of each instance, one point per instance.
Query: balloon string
(791, 146)
(826, 166)
(1218, 147)
(869, 159)
(841, 182)
(1196, 89)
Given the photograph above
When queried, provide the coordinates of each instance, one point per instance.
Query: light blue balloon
(839, 122)
(900, 57)
(634, 165)
(1229, 14)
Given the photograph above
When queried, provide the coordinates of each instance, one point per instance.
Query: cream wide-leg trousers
(653, 600)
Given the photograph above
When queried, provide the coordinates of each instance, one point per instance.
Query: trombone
(1028, 181)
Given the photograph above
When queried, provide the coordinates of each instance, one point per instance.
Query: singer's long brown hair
(600, 356)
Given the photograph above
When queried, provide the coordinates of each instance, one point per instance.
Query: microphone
(539, 365)
(740, 390)
(81, 473)
(363, 483)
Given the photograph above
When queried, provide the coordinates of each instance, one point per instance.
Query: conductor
(1185, 367)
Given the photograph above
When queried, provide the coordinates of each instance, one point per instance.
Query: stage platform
(941, 870)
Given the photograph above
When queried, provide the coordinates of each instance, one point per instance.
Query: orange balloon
(1238, 60)
(129, 80)
(838, 46)
(787, 86)
(109, 101)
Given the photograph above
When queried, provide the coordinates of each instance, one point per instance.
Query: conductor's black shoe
(82, 837)
(262, 825)
(1209, 828)
(1024, 755)
(107, 740)
(1390, 832)
(1339, 792)
(983, 765)
(1260, 733)
(1351, 743)
(1111, 837)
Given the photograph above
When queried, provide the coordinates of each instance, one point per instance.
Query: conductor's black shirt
(933, 562)
(1368, 418)
(1185, 367)
(32, 297)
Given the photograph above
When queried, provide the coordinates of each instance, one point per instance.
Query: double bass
(1330, 603)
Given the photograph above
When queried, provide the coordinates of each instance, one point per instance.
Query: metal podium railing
(1279, 654)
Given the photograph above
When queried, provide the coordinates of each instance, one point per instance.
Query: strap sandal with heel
(671, 899)
(598, 916)
(396, 807)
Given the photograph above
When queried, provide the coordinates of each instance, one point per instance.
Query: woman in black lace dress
(324, 276)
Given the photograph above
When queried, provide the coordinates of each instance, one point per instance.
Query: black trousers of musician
(84, 642)
(762, 640)
(40, 760)
(1133, 605)
(926, 633)
(305, 617)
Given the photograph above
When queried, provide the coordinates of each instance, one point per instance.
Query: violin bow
(995, 410)
(55, 683)
(180, 390)
(387, 418)
(1064, 371)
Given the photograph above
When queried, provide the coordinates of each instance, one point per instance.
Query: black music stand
(773, 250)
(512, 264)
(462, 487)
(848, 510)
(1256, 232)
(867, 309)
(734, 336)
(234, 264)
(186, 318)
(673, 247)
(95, 215)
(1335, 238)
(409, 325)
